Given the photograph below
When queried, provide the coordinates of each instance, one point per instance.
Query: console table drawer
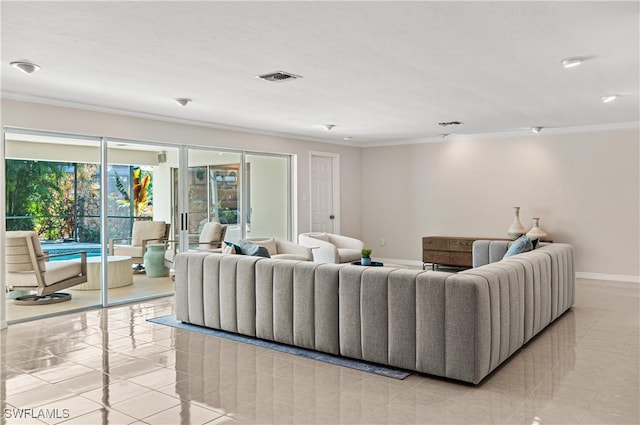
(448, 250)
(438, 257)
(463, 259)
(435, 244)
(461, 245)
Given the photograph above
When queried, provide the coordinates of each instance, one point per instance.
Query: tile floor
(142, 287)
(111, 366)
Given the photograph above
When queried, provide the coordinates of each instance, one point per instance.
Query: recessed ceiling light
(609, 98)
(572, 62)
(536, 129)
(348, 138)
(444, 124)
(25, 66)
(328, 127)
(182, 101)
(278, 76)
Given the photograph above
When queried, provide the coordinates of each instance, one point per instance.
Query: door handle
(332, 216)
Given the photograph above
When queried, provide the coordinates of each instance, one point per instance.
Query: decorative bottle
(516, 229)
(536, 232)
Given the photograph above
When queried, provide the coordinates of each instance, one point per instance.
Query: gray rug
(363, 366)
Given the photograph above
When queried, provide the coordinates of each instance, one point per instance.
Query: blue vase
(365, 261)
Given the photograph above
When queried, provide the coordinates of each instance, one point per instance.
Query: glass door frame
(102, 143)
(183, 207)
(32, 132)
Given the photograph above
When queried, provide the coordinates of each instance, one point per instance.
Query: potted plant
(366, 257)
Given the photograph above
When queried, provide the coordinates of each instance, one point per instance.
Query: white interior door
(324, 197)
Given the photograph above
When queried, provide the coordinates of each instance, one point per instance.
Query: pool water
(72, 256)
(92, 249)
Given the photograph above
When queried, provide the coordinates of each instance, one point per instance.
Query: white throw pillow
(270, 244)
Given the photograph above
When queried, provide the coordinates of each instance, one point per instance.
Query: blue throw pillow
(249, 248)
(520, 245)
(232, 248)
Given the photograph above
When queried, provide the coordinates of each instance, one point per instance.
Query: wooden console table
(449, 250)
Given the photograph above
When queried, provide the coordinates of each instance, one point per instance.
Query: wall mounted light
(25, 66)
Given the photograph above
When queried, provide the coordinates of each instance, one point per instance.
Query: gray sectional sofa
(456, 325)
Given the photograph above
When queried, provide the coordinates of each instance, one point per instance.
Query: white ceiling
(382, 72)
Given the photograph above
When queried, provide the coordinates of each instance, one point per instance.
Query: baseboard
(581, 275)
(605, 276)
(411, 263)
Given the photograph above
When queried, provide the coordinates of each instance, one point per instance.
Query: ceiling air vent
(278, 76)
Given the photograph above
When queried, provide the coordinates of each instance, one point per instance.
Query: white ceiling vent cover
(278, 76)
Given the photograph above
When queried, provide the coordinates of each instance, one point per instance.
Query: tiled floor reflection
(111, 366)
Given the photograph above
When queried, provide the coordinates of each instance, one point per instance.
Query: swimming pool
(92, 249)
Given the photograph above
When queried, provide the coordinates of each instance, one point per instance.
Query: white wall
(584, 187)
(61, 119)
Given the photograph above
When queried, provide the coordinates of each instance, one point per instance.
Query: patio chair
(28, 269)
(143, 232)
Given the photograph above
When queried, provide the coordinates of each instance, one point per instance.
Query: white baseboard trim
(580, 275)
(606, 276)
(401, 262)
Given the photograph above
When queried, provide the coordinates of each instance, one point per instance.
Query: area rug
(170, 320)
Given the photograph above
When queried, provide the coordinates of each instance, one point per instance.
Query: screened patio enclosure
(56, 186)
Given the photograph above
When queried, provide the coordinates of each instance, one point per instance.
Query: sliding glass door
(119, 200)
(214, 193)
(139, 219)
(248, 193)
(53, 188)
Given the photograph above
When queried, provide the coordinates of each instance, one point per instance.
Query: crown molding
(158, 117)
(510, 134)
(398, 142)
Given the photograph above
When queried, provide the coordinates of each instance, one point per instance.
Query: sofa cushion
(270, 244)
(290, 257)
(249, 248)
(520, 245)
(348, 255)
(320, 236)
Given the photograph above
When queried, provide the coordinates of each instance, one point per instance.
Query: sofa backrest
(461, 326)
